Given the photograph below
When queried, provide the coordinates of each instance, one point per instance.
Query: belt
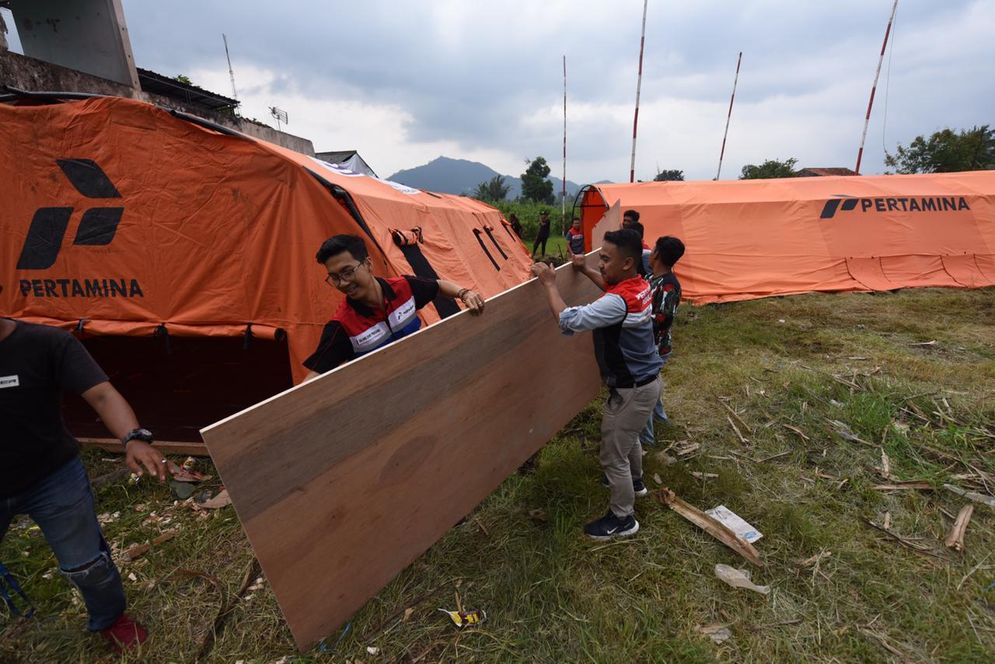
(638, 383)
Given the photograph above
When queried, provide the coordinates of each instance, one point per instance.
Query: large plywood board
(342, 482)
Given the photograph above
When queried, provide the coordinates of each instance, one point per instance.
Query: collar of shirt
(363, 310)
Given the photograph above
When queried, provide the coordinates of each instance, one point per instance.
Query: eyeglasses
(347, 274)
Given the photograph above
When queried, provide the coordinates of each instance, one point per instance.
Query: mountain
(460, 176)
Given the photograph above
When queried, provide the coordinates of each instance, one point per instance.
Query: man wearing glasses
(376, 311)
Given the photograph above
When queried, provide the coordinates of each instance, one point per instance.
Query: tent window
(480, 241)
(407, 242)
(496, 245)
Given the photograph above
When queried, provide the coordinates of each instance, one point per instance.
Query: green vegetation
(536, 185)
(946, 151)
(772, 168)
(528, 214)
(669, 175)
(789, 368)
(492, 190)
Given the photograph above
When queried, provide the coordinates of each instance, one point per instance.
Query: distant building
(347, 159)
(820, 172)
(82, 46)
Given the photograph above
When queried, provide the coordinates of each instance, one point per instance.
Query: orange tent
(755, 238)
(120, 219)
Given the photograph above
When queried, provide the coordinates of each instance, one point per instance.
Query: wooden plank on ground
(164, 446)
(342, 482)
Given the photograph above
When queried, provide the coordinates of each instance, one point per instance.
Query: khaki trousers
(623, 416)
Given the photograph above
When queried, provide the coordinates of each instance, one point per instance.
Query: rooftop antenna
(231, 72)
(639, 82)
(563, 197)
(729, 115)
(280, 115)
(870, 102)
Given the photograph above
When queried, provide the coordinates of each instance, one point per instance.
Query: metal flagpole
(729, 115)
(870, 102)
(231, 72)
(639, 83)
(563, 201)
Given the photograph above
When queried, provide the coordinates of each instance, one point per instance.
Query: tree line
(536, 186)
(944, 151)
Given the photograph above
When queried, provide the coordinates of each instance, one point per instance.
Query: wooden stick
(251, 573)
(885, 463)
(709, 524)
(736, 415)
(973, 570)
(898, 486)
(971, 495)
(797, 431)
(138, 550)
(844, 432)
(733, 425)
(898, 538)
(164, 446)
(884, 643)
(955, 540)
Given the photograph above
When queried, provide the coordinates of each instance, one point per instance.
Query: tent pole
(639, 83)
(729, 115)
(870, 102)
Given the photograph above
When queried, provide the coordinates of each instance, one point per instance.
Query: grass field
(911, 374)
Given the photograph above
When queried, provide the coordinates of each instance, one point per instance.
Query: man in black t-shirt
(542, 234)
(41, 474)
(666, 289)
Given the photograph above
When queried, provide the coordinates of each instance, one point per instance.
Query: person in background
(542, 236)
(375, 311)
(516, 225)
(42, 476)
(575, 238)
(629, 217)
(666, 290)
(644, 263)
(629, 363)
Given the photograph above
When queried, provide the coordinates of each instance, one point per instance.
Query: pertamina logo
(97, 227)
(845, 203)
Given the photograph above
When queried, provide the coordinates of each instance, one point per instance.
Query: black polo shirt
(38, 363)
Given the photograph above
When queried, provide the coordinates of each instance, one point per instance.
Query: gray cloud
(483, 76)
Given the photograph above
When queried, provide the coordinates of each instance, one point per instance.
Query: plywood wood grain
(342, 482)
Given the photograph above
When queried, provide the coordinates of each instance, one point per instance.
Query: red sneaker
(124, 634)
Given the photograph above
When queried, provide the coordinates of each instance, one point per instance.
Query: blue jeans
(648, 436)
(62, 506)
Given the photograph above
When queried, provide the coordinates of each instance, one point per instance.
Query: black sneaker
(610, 526)
(637, 485)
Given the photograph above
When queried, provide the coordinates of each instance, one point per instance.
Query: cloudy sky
(405, 82)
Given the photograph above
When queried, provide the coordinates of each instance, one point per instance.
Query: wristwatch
(143, 435)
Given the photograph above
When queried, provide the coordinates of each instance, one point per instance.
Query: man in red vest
(624, 346)
(375, 311)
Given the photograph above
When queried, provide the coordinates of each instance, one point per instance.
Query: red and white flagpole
(729, 115)
(639, 83)
(870, 102)
(563, 201)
